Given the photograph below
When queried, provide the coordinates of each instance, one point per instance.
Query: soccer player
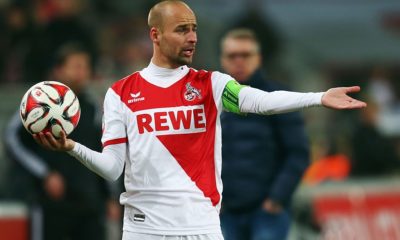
(163, 124)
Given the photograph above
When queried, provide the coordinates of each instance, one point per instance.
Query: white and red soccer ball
(50, 107)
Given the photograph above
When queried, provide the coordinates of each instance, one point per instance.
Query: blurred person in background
(381, 88)
(71, 199)
(373, 153)
(269, 37)
(264, 158)
(17, 34)
(384, 91)
(329, 163)
(33, 30)
(55, 22)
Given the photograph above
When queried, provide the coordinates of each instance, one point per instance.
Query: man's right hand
(48, 141)
(272, 206)
(54, 186)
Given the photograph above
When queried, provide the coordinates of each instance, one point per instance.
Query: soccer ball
(50, 107)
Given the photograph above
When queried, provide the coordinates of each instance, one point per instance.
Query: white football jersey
(170, 122)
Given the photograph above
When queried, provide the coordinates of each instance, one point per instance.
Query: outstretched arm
(242, 99)
(108, 164)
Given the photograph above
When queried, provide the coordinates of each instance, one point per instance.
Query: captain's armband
(230, 96)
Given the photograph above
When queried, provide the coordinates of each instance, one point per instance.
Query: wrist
(319, 99)
(72, 148)
(70, 145)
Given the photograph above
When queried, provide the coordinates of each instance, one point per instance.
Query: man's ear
(155, 35)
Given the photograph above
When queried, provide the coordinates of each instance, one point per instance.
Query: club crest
(191, 92)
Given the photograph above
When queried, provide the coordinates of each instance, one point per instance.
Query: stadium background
(308, 45)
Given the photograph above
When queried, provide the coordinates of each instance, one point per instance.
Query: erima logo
(135, 98)
(175, 120)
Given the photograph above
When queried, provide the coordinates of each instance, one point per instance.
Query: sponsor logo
(175, 120)
(191, 92)
(135, 98)
(139, 217)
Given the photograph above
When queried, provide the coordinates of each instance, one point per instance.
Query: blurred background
(352, 187)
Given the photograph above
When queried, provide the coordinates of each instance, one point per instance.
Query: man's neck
(161, 66)
(160, 61)
(163, 77)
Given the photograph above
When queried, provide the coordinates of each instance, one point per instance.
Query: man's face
(240, 58)
(178, 36)
(75, 71)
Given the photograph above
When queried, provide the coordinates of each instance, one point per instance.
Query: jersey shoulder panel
(121, 84)
(219, 81)
(199, 75)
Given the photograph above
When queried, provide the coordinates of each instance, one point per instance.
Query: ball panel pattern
(50, 107)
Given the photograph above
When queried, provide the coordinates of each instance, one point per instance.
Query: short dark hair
(66, 51)
(241, 34)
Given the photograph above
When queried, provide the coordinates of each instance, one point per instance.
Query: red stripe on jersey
(115, 141)
(195, 151)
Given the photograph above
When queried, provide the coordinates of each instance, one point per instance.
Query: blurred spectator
(269, 38)
(15, 42)
(373, 154)
(263, 157)
(33, 31)
(380, 87)
(72, 199)
(60, 23)
(384, 91)
(331, 166)
(123, 50)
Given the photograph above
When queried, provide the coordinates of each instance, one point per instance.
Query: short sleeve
(114, 127)
(219, 81)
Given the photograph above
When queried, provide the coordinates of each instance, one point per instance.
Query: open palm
(337, 98)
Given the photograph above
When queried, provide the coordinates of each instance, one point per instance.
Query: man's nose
(192, 37)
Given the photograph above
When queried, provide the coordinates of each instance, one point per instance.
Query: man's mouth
(188, 52)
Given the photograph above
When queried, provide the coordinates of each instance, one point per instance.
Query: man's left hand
(337, 98)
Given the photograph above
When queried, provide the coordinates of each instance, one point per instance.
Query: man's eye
(181, 29)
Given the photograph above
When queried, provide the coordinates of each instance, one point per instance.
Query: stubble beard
(181, 60)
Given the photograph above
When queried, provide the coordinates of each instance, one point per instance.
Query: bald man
(163, 124)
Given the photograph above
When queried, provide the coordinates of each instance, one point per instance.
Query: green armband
(230, 96)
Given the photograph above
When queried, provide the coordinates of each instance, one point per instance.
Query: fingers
(53, 142)
(47, 140)
(357, 104)
(63, 138)
(37, 139)
(352, 103)
(41, 139)
(352, 89)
